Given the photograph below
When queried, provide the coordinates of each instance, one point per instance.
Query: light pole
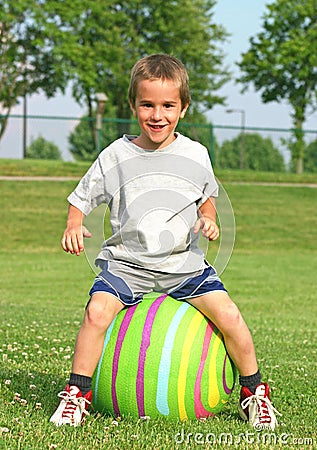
(242, 146)
(101, 99)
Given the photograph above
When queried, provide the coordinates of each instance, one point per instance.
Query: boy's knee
(100, 312)
(230, 316)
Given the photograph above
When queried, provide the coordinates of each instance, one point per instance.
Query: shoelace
(71, 404)
(264, 406)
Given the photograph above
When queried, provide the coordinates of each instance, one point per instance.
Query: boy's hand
(209, 228)
(72, 240)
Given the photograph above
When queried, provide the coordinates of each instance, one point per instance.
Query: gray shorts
(129, 283)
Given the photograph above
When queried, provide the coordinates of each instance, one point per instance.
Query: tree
(26, 59)
(282, 63)
(47, 43)
(82, 142)
(259, 154)
(195, 126)
(100, 57)
(40, 148)
(310, 157)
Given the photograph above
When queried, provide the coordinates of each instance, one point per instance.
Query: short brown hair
(163, 67)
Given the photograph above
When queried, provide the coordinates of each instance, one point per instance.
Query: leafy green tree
(259, 154)
(310, 157)
(44, 44)
(26, 59)
(81, 142)
(281, 63)
(101, 40)
(196, 127)
(40, 148)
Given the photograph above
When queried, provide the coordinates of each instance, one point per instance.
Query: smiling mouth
(156, 127)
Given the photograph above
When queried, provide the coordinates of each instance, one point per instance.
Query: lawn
(271, 275)
(55, 168)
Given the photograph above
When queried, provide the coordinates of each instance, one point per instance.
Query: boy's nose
(157, 113)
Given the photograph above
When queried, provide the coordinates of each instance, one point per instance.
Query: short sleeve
(90, 191)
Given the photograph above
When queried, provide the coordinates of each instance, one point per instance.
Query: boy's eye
(149, 105)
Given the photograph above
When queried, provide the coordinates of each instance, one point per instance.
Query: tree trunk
(4, 122)
(92, 122)
(299, 146)
(300, 165)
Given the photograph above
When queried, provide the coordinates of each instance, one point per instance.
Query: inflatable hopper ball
(162, 357)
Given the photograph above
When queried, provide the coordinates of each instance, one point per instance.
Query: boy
(160, 188)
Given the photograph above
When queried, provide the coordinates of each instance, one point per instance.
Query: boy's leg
(255, 405)
(223, 312)
(99, 314)
(75, 399)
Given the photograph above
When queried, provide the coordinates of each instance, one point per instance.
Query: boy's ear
(183, 112)
(133, 109)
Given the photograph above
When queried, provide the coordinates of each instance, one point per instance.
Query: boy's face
(158, 109)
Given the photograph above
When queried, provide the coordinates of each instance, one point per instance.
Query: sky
(242, 19)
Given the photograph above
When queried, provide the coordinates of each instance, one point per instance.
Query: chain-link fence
(64, 132)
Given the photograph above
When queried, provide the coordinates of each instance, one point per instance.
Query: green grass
(271, 275)
(40, 167)
(250, 176)
(31, 167)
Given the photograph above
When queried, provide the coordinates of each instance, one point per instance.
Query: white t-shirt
(153, 196)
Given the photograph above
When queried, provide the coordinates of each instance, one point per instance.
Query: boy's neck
(140, 142)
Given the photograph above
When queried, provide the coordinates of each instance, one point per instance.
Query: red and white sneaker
(257, 408)
(72, 408)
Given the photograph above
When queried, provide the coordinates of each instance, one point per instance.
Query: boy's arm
(72, 240)
(207, 220)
